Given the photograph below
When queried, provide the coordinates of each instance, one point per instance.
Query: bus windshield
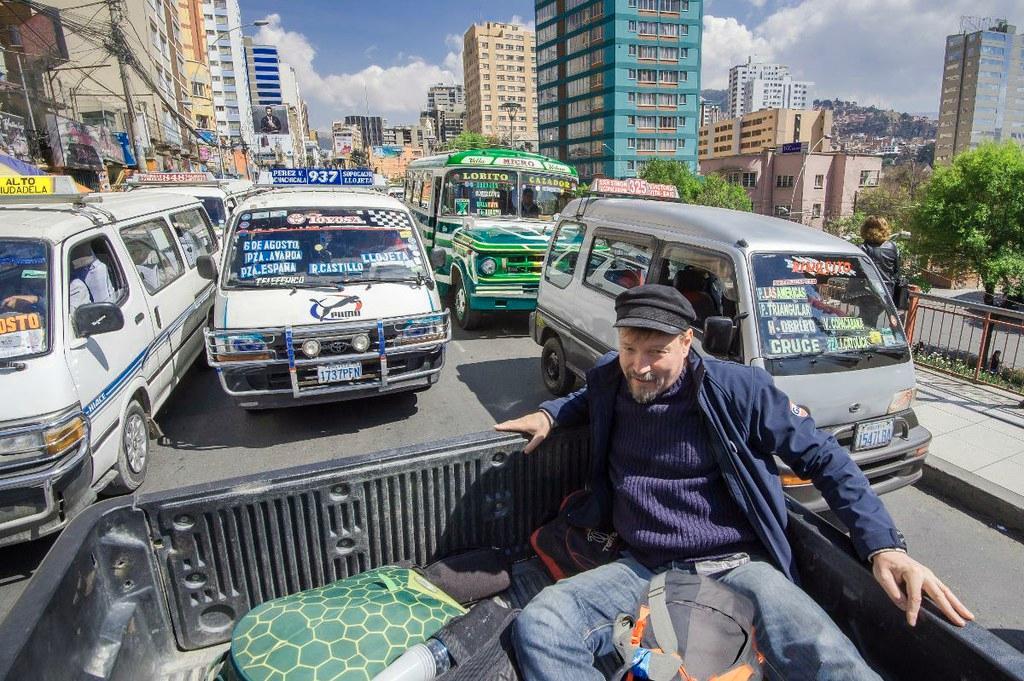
(506, 193)
(488, 193)
(323, 246)
(543, 196)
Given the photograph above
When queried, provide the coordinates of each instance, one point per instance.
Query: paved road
(490, 376)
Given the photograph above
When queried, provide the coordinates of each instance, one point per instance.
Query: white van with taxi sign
(324, 294)
(101, 315)
(809, 308)
(219, 196)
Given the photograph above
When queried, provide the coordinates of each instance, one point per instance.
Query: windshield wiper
(418, 279)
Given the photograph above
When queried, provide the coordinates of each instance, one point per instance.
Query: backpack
(349, 630)
(688, 628)
(566, 549)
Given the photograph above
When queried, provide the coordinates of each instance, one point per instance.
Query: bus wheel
(558, 379)
(467, 318)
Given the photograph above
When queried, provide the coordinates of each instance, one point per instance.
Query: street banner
(77, 145)
(13, 140)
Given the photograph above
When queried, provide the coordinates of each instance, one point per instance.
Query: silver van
(809, 308)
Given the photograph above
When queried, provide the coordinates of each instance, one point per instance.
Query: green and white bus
(490, 213)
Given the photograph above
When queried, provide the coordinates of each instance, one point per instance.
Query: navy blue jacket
(748, 421)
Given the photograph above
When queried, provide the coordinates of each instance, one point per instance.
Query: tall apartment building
(499, 67)
(982, 90)
(618, 82)
(446, 105)
(228, 72)
(709, 113)
(766, 129)
(371, 128)
(263, 65)
(197, 66)
(760, 85)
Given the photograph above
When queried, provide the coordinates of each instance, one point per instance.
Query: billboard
(270, 120)
(77, 145)
(271, 145)
(344, 143)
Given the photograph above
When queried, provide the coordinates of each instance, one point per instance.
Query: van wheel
(133, 455)
(467, 318)
(558, 379)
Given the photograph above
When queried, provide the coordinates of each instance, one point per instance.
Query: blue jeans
(569, 624)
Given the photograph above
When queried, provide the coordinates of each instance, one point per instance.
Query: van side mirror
(207, 267)
(96, 318)
(438, 258)
(718, 332)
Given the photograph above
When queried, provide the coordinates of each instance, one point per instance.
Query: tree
(472, 140)
(358, 158)
(971, 216)
(713, 190)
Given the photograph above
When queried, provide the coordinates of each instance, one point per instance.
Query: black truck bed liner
(150, 587)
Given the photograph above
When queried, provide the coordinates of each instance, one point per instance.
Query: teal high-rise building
(618, 82)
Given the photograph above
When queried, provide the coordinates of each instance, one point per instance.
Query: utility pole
(119, 47)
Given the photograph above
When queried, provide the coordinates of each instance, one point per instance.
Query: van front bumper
(897, 465)
(279, 375)
(510, 298)
(39, 503)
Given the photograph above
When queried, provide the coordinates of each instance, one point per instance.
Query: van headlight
(44, 442)
(361, 343)
(902, 400)
(488, 267)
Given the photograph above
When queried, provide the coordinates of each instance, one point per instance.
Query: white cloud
(398, 91)
(884, 52)
(517, 20)
(726, 43)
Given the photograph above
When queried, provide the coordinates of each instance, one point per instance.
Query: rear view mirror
(718, 333)
(207, 267)
(902, 297)
(95, 318)
(438, 258)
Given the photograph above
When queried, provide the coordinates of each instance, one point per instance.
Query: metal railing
(981, 343)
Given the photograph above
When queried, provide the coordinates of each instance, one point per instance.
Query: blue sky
(386, 53)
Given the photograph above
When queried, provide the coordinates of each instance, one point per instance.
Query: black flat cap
(654, 306)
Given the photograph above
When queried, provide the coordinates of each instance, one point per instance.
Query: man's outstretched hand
(535, 426)
(904, 580)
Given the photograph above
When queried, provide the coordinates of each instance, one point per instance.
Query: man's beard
(649, 391)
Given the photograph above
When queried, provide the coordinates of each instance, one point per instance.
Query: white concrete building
(231, 98)
(760, 85)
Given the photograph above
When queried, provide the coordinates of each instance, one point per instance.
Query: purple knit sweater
(671, 502)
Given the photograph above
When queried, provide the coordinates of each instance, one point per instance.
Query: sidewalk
(977, 450)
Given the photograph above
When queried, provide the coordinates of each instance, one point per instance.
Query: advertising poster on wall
(13, 140)
(77, 145)
(270, 120)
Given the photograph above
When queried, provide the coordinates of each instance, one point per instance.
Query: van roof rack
(174, 179)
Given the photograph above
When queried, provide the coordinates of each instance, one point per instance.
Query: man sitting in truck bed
(683, 470)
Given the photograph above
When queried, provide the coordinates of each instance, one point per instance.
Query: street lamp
(511, 108)
(614, 160)
(258, 23)
(799, 174)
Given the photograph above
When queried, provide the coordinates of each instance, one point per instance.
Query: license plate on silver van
(337, 373)
(873, 434)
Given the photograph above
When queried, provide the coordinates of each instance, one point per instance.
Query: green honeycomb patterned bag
(346, 631)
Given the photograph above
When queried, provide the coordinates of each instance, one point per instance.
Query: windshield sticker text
(795, 282)
(393, 256)
(266, 269)
(842, 343)
(322, 268)
(280, 281)
(794, 346)
(784, 309)
(777, 326)
(317, 219)
(828, 268)
(20, 322)
(842, 323)
(781, 293)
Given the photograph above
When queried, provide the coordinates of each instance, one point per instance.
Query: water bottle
(422, 662)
